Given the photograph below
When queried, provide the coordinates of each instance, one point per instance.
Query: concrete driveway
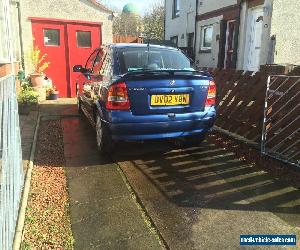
(204, 198)
(193, 198)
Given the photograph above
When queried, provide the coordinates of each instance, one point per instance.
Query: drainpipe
(20, 34)
(8, 32)
(195, 36)
(236, 38)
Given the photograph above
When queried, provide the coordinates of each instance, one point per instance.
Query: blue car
(138, 92)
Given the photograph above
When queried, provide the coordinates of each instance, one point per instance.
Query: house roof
(100, 6)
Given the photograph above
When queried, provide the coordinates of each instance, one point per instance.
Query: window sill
(205, 51)
(174, 17)
(2, 62)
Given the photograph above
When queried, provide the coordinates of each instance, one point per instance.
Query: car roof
(139, 45)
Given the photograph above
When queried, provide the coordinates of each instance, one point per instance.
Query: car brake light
(117, 98)
(211, 94)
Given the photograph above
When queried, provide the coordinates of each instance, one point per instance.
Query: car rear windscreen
(132, 59)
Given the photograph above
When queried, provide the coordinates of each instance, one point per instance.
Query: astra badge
(172, 82)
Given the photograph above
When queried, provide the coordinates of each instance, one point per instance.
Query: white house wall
(286, 27)
(181, 25)
(206, 6)
(265, 39)
(208, 59)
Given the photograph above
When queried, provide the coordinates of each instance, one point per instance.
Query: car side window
(99, 61)
(90, 62)
(106, 68)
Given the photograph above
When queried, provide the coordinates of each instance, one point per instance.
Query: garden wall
(127, 39)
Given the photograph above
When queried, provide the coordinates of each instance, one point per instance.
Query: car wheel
(103, 139)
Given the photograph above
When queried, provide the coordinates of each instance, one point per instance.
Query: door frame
(65, 23)
(234, 22)
(56, 20)
(250, 12)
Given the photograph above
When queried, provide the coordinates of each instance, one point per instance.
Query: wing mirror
(78, 68)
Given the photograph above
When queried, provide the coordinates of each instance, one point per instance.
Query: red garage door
(66, 43)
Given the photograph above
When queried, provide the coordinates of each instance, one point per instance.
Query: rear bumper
(125, 126)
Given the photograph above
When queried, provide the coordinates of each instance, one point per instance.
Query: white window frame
(176, 8)
(203, 28)
(173, 38)
(4, 37)
(7, 36)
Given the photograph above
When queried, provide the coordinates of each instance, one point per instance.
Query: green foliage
(153, 22)
(25, 246)
(127, 24)
(21, 75)
(36, 60)
(27, 94)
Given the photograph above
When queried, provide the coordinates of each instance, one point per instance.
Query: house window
(174, 40)
(9, 50)
(15, 32)
(175, 8)
(4, 57)
(84, 39)
(206, 38)
(51, 37)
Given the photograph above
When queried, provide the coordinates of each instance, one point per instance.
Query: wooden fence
(127, 39)
(240, 102)
(256, 106)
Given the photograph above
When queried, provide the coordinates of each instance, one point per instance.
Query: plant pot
(53, 95)
(25, 108)
(42, 93)
(37, 80)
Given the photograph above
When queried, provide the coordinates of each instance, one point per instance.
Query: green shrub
(27, 94)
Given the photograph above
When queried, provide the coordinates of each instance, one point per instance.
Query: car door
(106, 74)
(98, 73)
(85, 84)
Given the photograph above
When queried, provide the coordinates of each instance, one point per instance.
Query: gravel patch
(47, 222)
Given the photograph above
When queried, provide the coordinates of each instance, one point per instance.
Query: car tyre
(103, 138)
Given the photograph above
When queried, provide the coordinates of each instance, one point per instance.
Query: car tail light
(211, 94)
(117, 98)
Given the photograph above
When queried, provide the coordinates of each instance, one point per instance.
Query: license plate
(170, 100)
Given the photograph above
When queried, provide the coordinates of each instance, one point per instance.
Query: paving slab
(27, 125)
(59, 108)
(104, 214)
